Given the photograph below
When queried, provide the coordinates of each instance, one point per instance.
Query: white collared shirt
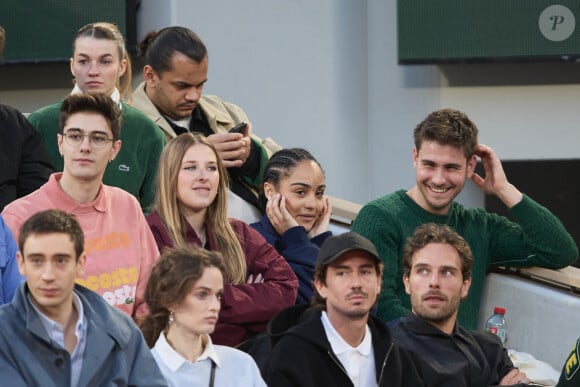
(116, 96)
(359, 362)
(183, 123)
(233, 367)
(56, 333)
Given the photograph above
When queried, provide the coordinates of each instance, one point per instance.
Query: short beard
(437, 316)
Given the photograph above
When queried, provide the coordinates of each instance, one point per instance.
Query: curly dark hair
(437, 233)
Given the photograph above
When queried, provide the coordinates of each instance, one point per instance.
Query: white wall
(522, 121)
(536, 315)
(399, 98)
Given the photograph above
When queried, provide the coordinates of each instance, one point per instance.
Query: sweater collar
(116, 96)
(409, 202)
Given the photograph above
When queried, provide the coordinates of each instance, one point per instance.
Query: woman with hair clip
(297, 214)
(191, 208)
(184, 293)
(101, 64)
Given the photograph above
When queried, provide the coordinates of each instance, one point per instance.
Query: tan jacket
(221, 115)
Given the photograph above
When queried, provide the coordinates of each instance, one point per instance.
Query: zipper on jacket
(339, 364)
(385, 363)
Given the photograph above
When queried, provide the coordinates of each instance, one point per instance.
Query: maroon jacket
(247, 308)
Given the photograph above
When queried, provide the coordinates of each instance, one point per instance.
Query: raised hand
(495, 181)
(232, 148)
(278, 214)
(323, 221)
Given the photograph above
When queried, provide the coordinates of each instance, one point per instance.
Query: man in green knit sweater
(445, 155)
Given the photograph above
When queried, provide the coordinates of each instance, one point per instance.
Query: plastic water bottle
(496, 324)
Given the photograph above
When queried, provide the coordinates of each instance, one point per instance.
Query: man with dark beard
(336, 342)
(437, 265)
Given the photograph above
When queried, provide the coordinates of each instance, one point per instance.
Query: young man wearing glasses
(119, 245)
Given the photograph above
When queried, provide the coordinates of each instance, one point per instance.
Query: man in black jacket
(336, 342)
(437, 274)
(24, 164)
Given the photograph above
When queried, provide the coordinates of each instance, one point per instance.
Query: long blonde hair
(109, 31)
(169, 207)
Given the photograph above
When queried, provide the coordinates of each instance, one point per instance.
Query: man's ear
(465, 288)
(269, 190)
(471, 164)
(59, 140)
(379, 284)
(81, 264)
(415, 156)
(407, 285)
(149, 76)
(20, 261)
(320, 288)
(115, 151)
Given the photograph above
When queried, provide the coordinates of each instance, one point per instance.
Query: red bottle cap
(499, 309)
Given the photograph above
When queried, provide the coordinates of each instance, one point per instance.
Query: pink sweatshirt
(118, 242)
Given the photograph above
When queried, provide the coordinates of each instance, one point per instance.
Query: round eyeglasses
(75, 138)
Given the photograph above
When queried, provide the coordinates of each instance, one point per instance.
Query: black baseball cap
(337, 245)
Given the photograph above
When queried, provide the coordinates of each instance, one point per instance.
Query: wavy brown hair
(169, 207)
(448, 127)
(109, 31)
(437, 233)
(171, 279)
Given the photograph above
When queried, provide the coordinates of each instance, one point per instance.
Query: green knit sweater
(135, 167)
(537, 239)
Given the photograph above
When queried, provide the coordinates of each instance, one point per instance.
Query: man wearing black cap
(336, 342)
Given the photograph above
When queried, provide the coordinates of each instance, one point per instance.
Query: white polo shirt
(359, 362)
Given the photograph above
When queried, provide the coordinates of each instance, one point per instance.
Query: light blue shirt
(359, 362)
(56, 333)
(234, 368)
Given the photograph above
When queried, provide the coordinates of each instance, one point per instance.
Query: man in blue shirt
(57, 333)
